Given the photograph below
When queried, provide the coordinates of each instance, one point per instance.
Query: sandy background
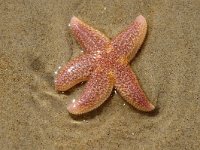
(35, 40)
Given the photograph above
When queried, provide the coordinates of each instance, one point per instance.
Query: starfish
(104, 65)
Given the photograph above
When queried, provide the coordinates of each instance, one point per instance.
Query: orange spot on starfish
(105, 65)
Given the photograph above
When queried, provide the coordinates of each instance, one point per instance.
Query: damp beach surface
(35, 40)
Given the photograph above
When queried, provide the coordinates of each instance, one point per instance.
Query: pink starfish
(105, 65)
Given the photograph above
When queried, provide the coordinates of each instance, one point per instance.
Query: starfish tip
(141, 19)
(151, 107)
(73, 109)
(74, 20)
(70, 108)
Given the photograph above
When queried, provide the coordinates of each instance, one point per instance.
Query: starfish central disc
(104, 65)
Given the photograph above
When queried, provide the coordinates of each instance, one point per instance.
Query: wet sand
(35, 40)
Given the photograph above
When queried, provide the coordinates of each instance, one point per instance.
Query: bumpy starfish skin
(105, 65)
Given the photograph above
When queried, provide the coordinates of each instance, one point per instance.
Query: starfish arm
(97, 90)
(74, 72)
(92, 40)
(128, 87)
(127, 43)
